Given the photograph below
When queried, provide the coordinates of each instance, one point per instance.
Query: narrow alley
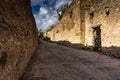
(56, 62)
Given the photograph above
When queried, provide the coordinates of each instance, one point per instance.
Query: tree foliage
(40, 33)
(60, 15)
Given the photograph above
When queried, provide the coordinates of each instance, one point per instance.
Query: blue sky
(45, 12)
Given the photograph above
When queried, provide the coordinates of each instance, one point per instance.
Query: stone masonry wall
(86, 15)
(69, 27)
(18, 38)
(107, 15)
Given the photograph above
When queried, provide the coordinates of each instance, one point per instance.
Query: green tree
(40, 33)
(60, 15)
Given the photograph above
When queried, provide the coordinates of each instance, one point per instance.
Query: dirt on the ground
(56, 62)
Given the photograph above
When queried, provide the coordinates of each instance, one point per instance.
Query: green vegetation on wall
(60, 15)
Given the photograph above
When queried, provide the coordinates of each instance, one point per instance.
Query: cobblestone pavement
(56, 62)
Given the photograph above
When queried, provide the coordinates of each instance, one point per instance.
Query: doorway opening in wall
(97, 38)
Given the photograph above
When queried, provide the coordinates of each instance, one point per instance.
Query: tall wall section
(106, 14)
(68, 28)
(18, 37)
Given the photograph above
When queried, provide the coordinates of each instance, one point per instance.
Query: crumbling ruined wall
(88, 15)
(106, 14)
(18, 38)
(68, 28)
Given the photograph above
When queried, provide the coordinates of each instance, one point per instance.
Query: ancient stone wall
(94, 24)
(18, 38)
(69, 27)
(105, 13)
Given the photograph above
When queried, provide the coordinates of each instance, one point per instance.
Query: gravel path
(56, 62)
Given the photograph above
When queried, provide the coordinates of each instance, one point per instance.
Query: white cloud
(45, 18)
(47, 15)
(43, 11)
(61, 3)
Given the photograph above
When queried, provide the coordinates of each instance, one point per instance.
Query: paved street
(56, 62)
